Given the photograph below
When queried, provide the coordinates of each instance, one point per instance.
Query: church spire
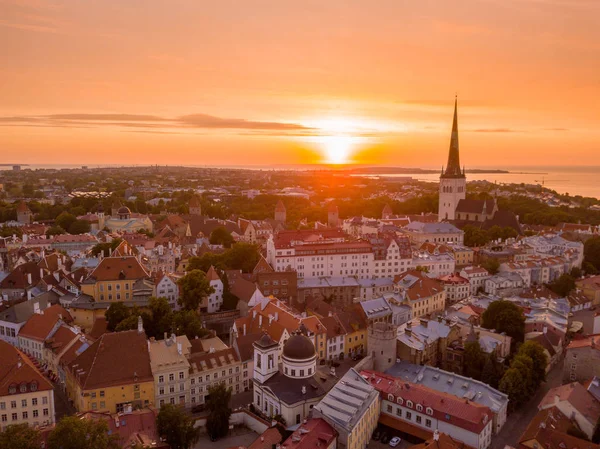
(453, 168)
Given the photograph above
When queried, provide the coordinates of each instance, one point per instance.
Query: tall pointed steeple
(453, 167)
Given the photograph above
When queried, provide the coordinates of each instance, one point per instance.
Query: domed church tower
(453, 183)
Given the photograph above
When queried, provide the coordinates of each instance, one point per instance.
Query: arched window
(399, 401)
(23, 387)
(409, 404)
(390, 397)
(429, 411)
(33, 386)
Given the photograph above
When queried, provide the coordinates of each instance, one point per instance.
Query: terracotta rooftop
(117, 358)
(39, 326)
(314, 433)
(119, 268)
(464, 413)
(17, 371)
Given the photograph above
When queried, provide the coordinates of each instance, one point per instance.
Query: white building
(437, 265)
(167, 287)
(420, 233)
(423, 408)
(215, 300)
(504, 284)
(171, 370)
(317, 253)
(476, 276)
(293, 391)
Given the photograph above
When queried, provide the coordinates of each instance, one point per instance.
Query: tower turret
(453, 183)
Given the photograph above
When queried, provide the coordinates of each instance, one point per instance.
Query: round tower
(382, 345)
(280, 212)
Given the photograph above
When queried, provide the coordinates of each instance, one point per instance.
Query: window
(389, 408)
(298, 419)
(24, 403)
(14, 416)
(408, 415)
(399, 411)
(25, 415)
(171, 377)
(13, 404)
(101, 393)
(102, 405)
(35, 413)
(418, 419)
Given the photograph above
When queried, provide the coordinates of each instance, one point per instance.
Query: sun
(337, 149)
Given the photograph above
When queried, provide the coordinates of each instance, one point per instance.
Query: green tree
(230, 301)
(492, 371)
(576, 272)
(512, 383)
(491, 264)
(128, 324)
(217, 423)
(537, 354)
(422, 269)
(19, 436)
(54, 230)
(475, 236)
(116, 313)
(188, 322)
(106, 248)
(65, 220)
(591, 252)
(504, 316)
(589, 268)
(72, 432)
(242, 256)
(161, 320)
(474, 360)
(193, 287)
(563, 285)
(79, 227)
(524, 364)
(177, 427)
(221, 236)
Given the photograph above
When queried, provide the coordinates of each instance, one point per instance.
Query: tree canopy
(177, 427)
(72, 432)
(591, 251)
(217, 424)
(563, 285)
(504, 316)
(19, 436)
(241, 256)
(192, 288)
(221, 236)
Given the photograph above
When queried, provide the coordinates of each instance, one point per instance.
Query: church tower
(453, 183)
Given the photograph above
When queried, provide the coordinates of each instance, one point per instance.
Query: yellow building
(463, 255)
(112, 374)
(26, 396)
(115, 279)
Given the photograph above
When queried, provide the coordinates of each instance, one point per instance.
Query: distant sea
(574, 180)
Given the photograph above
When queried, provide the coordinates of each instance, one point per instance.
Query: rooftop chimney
(244, 328)
(179, 349)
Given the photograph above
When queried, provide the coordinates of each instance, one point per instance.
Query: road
(518, 420)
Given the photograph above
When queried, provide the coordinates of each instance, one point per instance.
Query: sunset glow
(201, 82)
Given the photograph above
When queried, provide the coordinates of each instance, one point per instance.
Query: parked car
(395, 441)
(385, 438)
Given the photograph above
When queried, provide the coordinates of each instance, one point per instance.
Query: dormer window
(429, 411)
(23, 388)
(12, 389)
(419, 408)
(390, 397)
(400, 401)
(409, 404)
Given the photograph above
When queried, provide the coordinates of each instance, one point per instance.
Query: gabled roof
(16, 370)
(18, 278)
(118, 268)
(212, 275)
(39, 326)
(576, 395)
(549, 430)
(117, 358)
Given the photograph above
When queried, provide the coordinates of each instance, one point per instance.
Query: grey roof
(289, 390)
(328, 281)
(451, 383)
(19, 313)
(348, 400)
(366, 283)
(420, 334)
(376, 308)
(432, 228)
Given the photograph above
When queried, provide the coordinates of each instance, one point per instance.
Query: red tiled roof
(119, 268)
(463, 413)
(38, 327)
(17, 370)
(316, 432)
(117, 358)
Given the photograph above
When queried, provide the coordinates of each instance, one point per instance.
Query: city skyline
(264, 83)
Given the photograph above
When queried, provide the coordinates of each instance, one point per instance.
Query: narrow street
(518, 420)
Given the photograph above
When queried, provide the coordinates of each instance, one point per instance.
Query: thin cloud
(141, 121)
(496, 130)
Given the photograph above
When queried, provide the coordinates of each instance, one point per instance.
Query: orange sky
(295, 81)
